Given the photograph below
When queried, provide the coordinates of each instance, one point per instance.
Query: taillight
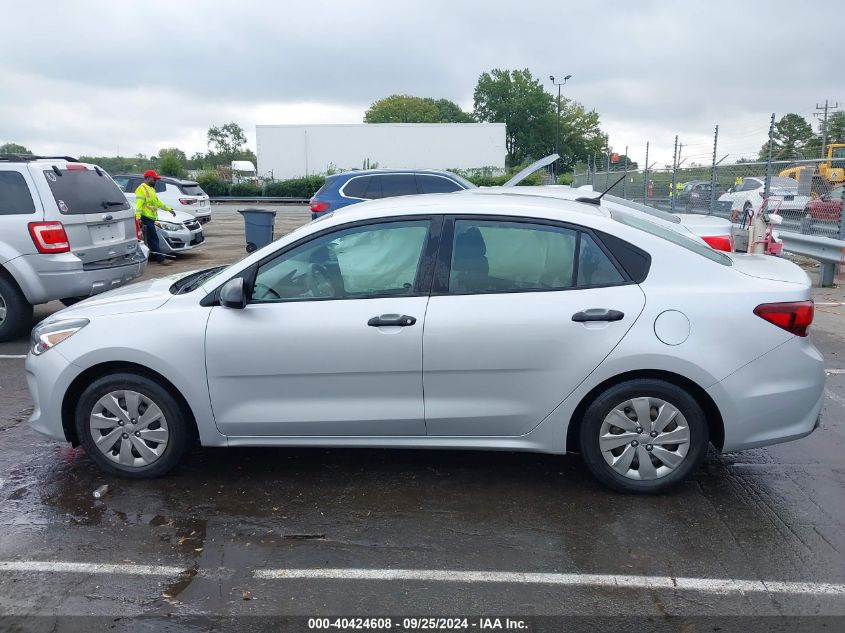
(795, 317)
(720, 242)
(319, 206)
(49, 237)
(138, 232)
(188, 200)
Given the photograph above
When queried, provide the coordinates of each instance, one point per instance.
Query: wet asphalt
(226, 516)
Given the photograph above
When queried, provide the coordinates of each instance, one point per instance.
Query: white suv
(182, 195)
(66, 232)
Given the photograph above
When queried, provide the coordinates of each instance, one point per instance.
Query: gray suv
(66, 232)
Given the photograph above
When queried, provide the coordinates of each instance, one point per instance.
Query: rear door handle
(597, 314)
(400, 320)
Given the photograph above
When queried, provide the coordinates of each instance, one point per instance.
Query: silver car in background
(498, 322)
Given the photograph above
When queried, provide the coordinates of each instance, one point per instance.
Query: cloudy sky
(105, 77)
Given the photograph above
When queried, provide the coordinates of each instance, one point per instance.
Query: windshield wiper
(195, 281)
(112, 203)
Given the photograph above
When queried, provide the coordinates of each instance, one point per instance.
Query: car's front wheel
(131, 426)
(643, 436)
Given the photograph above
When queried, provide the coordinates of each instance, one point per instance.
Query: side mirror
(232, 294)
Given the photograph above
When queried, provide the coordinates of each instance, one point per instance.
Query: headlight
(169, 226)
(49, 335)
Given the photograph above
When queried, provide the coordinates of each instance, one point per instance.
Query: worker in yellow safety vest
(147, 204)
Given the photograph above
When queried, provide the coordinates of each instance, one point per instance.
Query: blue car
(350, 187)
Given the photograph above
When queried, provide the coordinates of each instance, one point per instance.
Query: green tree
(793, 138)
(227, 143)
(580, 134)
(175, 151)
(409, 109)
(519, 101)
(836, 127)
(13, 148)
(169, 164)
(450, 112)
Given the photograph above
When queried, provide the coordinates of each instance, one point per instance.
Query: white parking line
(12, 355)
(710, 585)
(90, 568)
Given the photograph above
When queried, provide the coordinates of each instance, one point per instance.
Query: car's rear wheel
(643, 436)
(131, 426)
(15, 310)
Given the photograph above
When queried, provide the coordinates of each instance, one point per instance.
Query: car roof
(375, 172)
(464, 202)
(170, 179)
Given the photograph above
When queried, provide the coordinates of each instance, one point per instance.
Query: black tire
(250, 247)
(615, 396)
(180, 434)
(18, 311)
(69, 301)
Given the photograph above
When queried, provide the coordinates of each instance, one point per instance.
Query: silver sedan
(446, 321)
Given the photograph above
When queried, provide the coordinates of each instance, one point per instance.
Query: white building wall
(290, 151)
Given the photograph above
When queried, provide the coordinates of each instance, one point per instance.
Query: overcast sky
(106, 77)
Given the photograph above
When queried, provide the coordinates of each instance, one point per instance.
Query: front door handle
(597, 314)
(400, 320)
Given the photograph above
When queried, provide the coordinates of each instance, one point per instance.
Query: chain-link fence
(806, 192)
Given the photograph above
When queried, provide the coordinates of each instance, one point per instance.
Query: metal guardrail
(265, 199)
(825, 250)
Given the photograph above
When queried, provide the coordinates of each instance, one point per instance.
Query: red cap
(150, 173)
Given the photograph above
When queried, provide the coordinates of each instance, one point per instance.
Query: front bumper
(48, 377)
(46, 278)
(172, 242)
(776, 398)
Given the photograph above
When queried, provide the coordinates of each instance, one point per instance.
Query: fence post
(842, 223)
(768, 187)
(713, 173)
(674, 176)
(645, 175)
(625, 180)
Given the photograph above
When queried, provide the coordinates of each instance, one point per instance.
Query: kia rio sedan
(445, 321)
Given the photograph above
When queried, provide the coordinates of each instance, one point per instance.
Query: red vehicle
(828, 207)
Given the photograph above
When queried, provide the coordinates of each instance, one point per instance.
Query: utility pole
(645, 175)
(674, 175)
(822, 111)
(625, 181)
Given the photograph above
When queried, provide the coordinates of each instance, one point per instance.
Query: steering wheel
(318, 281)
(267, 289)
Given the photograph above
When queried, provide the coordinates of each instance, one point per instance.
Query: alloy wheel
(644, 438)
(129, 428)
(3, 309)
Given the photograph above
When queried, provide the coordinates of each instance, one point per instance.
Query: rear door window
(436, 184)
(397, 185)
(373, 188)
(122, 182)
(80, 191)
(15, 197)
(161, 186)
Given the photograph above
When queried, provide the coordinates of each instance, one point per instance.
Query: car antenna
(597, 199)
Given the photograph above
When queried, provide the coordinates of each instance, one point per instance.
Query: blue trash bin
(258, 227)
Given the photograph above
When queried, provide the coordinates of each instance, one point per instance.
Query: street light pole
(559, 85)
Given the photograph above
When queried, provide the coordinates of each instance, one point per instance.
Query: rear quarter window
(15, 197)
(191, 190)
(356, 187)
(80, 191)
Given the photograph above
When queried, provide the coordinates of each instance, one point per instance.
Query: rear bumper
(777, 398)
(46, 278)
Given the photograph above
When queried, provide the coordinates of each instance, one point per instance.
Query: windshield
(82, 190)
(466, 184)
(670, 235)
